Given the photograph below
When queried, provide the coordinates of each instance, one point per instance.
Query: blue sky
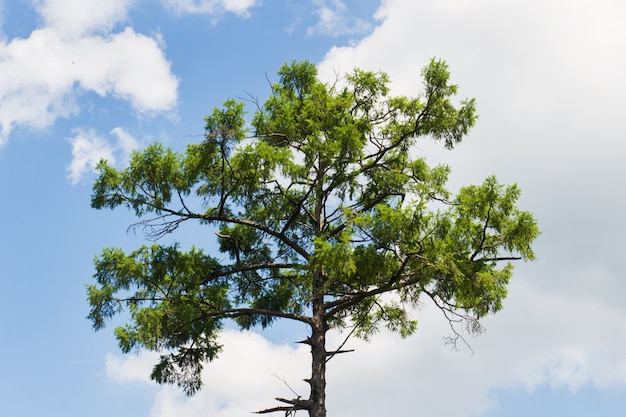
(84, 79)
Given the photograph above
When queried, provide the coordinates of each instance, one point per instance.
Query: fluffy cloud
(247, 376)
(83, 46)
(129, 66)
(76, 52)
(80, 17)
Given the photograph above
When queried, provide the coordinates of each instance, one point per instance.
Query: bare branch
(499, 259)
(295, 405)
(472, 325)
(338, 350)
(287, 385)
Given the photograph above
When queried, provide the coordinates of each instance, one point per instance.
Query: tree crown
(322, 210)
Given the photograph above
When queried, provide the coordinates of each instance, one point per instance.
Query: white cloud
(389, 376)
(75, 53)
(246, 377)
(239, 8)
(76, 18)
(130, 369)
(335, 20)
(89, 147)
(129, 66)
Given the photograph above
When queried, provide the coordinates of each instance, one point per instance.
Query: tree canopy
(324, 213)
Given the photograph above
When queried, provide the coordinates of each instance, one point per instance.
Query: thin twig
(287, 385)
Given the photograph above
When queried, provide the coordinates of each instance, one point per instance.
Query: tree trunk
(319, 327)
(318, 371)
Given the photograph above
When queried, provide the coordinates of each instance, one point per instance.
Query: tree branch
(246, 268)
(330, 355)
(450, 313)
(240, 312)
(221, 217)
(333, 307)
(334, 232)
(260, 227)
(484, 237)
(299, 207)
(295, 405)
(499, 259)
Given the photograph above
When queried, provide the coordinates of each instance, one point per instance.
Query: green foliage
(172, 297)
(323, 212)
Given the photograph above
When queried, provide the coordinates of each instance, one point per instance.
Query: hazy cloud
(89, 147)
(125, 142)
(239, 8)
(335, 19)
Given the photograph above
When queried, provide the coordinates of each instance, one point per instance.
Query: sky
(82, 80)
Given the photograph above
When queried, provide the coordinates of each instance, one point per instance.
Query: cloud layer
(549, 86)
(391, 376)
(549, 92)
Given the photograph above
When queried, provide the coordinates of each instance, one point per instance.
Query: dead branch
(295, 405)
